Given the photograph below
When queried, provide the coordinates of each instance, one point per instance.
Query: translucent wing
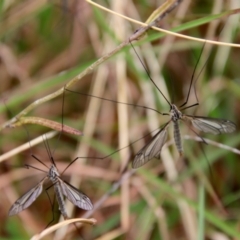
(75, 196)
(212, 125)
(152, 149)
(27, 199)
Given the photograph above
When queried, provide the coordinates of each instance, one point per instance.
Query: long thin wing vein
(152, 149)
(212, 125)
(75, 196)
(27, 199)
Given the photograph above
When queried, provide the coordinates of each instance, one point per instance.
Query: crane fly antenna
(46, 144)
(148, 73)
(192, 77)
(173, 91)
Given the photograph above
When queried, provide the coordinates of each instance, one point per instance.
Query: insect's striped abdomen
(60, 200)
(177, 137)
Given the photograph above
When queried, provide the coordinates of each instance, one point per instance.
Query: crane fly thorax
(175, 113)
(53, 173)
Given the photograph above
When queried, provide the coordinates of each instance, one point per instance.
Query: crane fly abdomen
(177, 137)
(175, 116)
(54, 177)
(60, 200)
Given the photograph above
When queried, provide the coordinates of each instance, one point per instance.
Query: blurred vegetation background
(44, 44)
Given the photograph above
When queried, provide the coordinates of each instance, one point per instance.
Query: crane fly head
(53, 173)
(175, 113)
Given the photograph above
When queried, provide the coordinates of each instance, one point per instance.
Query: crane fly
(61, 188)
(204, 124)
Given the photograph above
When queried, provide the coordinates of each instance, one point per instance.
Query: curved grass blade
(46, 123)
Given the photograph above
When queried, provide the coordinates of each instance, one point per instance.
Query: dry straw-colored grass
(84, 47)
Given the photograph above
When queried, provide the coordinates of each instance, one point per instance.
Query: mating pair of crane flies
(148, 152)
(205, 124)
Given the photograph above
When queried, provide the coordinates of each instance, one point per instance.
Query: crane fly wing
(152, 149)
(212, 125)
(75, 196)
(27, 199)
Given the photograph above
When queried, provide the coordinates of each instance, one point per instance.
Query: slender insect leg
(214, 194)
(52, 205)
(193, 82)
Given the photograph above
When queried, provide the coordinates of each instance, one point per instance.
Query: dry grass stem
(27, 145)
(235, 11)
(53, 228)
